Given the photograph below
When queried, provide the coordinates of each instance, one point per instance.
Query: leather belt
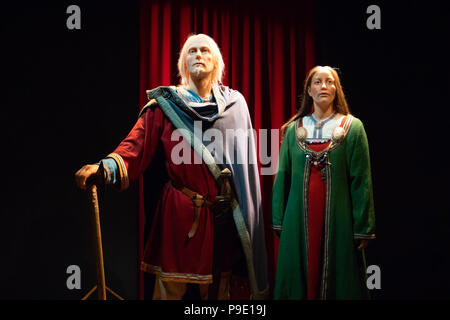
(198, 200)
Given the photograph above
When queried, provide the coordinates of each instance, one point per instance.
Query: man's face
(199, 60)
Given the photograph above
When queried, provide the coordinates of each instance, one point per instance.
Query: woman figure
(322, 197)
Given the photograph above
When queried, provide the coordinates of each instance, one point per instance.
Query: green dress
(349, 215)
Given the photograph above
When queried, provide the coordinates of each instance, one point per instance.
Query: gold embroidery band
(176, 277)
(124, 182)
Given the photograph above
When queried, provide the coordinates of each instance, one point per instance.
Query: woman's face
(323, 87)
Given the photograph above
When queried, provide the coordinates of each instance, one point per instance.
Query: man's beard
(199, 74)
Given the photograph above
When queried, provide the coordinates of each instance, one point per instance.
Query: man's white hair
(219, 65)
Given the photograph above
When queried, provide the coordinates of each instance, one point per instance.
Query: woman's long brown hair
(306, 106)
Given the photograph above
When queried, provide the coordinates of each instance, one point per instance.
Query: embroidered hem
(175, 276)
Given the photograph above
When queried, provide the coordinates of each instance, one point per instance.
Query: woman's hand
(363, 244)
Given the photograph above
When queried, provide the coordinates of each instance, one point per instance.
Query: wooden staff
(95, 212)
(97, 180)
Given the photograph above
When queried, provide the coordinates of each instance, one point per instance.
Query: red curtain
(267, 50)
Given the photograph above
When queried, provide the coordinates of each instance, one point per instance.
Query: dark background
(69, 97)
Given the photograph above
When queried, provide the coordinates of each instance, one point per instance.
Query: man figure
(212, 198)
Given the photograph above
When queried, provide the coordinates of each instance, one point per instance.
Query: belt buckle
(221, 206)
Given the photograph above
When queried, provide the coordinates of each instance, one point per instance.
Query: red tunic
(316, 205)
(168, 251)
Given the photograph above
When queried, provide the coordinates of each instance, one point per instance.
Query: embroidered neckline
(191, 96)
(345, 125)
(318, 124)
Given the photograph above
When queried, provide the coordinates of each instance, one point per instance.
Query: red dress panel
(316, 211)
(168, 251)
